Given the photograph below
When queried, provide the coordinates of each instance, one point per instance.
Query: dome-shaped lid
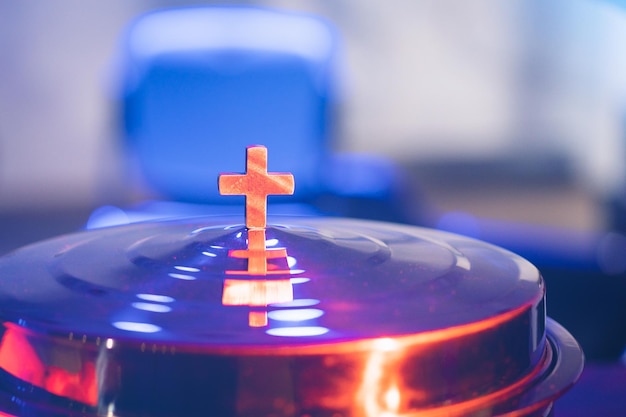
(301, 316)
(179, 304)
(327, 281)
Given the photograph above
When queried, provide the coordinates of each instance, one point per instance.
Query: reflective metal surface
(347, 318)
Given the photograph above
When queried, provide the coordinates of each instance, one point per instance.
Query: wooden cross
(256, 184)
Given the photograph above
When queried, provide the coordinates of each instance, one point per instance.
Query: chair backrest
(200, 84)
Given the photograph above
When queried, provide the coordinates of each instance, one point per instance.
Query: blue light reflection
(132, 326)
(301, 314)
(298, 331)
(156, 298)
(155, 308)
(303, 302)
(271, 242)
(182, 276)
(186, 268)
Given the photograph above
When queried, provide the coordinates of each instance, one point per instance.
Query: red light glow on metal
(380, 394)
(19, 357)
(257, 319)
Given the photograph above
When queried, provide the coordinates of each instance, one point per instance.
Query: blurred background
(504, 110)
(533, 87)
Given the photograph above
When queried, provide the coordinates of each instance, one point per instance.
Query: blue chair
(200, 84)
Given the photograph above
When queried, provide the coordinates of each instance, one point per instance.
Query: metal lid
(343, 316)
(305, 317)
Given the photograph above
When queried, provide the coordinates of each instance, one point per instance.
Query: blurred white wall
(54, 113)
(450, 80)
(437, 79)
(430, 79)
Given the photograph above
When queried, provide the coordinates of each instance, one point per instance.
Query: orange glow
(392, 399)
(257, 319)
(19, 358)
(385, 344)
(256, 184)
(256, 292)
(380, 396)
(379, 393)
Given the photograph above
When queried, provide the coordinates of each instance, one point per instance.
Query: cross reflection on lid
(256, 184)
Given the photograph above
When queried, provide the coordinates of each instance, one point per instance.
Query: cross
(256, 184)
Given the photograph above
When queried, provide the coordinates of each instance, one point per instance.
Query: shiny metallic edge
(567, 366)
(352, 352)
